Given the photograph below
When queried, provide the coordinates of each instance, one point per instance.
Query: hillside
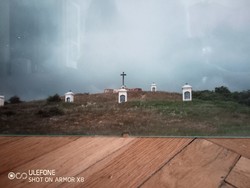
(145, 113)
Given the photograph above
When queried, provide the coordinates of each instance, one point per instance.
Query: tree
(222, 90)
(55, 98)
(14, 100)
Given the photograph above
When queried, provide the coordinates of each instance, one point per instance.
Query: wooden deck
(125, 162)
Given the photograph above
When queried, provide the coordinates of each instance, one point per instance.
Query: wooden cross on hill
(123, 74)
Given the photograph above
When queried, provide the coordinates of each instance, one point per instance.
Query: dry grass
(146, 113)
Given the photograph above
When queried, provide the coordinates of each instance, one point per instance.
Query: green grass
(151, 117)
(203, 118)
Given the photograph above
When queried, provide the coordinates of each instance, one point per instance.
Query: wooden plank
(201, 164)
(240, 175)
(70, 160)
(226, 185)
(131, 167)
(99, 165)
(8, 139)
(23, 150)
(239, 145)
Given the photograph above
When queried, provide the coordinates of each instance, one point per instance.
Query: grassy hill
(145, 114)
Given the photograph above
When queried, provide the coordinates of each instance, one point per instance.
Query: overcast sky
(205, 43)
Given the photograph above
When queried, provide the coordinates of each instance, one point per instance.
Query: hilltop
(145, 113)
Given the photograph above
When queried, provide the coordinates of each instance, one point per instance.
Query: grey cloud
(202, 42)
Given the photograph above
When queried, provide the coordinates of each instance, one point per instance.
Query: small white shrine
(69, 96)
(187, 93)
(153, 87)
(1, 100)
(122, 95)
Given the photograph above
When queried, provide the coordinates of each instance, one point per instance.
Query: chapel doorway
(187, 95)
(122, 98)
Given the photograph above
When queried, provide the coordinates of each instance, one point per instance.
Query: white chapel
(122, 95)
(1, 100)
(187, 92)
(69, 96)
(153, 87)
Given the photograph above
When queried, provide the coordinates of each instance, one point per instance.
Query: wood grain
(128, 162)
(240, 175)
(134, 165)
(238, 145)
(69, 160)
(226, 185)
(20, 151)
(8, 139)
(201, 164)
(99, 165)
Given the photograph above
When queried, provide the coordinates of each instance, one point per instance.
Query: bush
(222, 90)
(14, 100)
(204, 95)
(223, 93)
(244, 97)
(55, 98)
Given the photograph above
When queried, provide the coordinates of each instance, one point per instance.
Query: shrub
(223, 93)
(244, 97)
(55, 98)
(14, 100)
(222, 90)
(204, 95)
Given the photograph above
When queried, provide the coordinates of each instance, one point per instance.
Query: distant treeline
(223, 93)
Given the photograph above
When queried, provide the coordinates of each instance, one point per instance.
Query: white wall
(1, 100)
